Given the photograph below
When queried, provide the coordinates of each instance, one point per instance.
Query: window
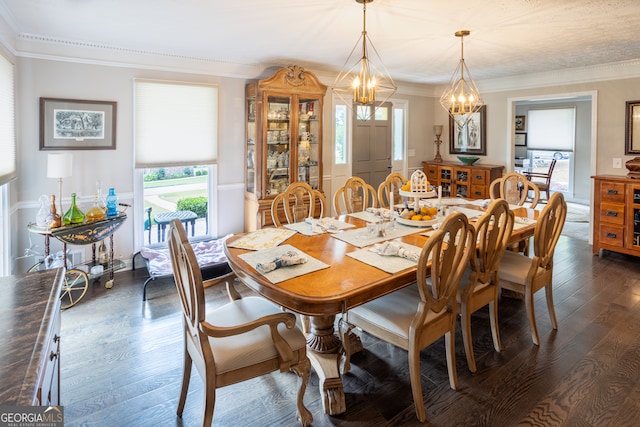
(551, 135)
(175, 156)
(398, 134)
(341, 134)
(7, 156)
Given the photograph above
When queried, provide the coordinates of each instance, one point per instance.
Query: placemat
(521, 222)
(390, 264)
(262, 239)
(365, 216)
(360, 238)
(283, 273)
(325, 225)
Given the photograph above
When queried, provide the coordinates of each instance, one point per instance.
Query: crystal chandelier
(462, 98)
(363, 79)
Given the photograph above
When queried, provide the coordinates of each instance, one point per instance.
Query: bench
(209, 252)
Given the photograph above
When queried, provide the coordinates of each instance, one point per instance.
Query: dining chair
(415, 316)
(245, 338)
(354, 196)
(298, 202)
(390, 185)
(542, 180)
(527, 275)
(479, 285)
(514, 188)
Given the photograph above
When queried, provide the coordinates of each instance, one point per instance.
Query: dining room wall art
(72, 124)
(470, 138)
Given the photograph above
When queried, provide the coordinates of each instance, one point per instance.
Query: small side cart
(77, 276)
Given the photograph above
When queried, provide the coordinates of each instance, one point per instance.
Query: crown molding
(57, 49)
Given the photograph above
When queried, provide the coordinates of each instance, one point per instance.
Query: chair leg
(531, 315)
(303, 370)
(450, 345)
(186, 376)
(416, 383)
(493, 319)
(548, 290)
(209, 402)
(465, 322)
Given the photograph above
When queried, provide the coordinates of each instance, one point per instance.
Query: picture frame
(471, 138)
(520, 123)
(632, 128)
(74, 124)
(521, 139)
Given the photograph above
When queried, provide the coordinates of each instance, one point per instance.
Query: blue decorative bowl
(468, 160)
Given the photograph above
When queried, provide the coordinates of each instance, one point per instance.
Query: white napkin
(285, 260)
(321, 225)
(391, 248)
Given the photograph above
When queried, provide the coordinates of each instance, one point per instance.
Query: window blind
(176, 124)
(551, 129)
(7, 122)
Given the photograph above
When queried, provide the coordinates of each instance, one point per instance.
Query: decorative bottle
(96, 212)
(101, 202)
(103, 255)
(53, 220)
(112, 203)
(74, 215)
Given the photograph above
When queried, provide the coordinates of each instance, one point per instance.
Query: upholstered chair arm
(273, 320)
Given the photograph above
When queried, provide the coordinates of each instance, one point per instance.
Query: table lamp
(59, 165)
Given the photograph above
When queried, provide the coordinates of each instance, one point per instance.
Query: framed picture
(471, 138)
(521, 139)
(520, 122)
(632, 128)
(72, 124)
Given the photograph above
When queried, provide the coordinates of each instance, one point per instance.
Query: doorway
(372, 144)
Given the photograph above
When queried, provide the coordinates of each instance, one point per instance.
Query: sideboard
(616, 214)
(30, 338)
(459, 180)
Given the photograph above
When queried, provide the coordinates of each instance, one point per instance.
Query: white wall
(55, 79)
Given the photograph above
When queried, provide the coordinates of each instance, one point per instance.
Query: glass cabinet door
(635, 208)
(308, 137)
(251, 146)
(278, 140)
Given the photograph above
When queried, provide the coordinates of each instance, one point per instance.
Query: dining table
(337, 280)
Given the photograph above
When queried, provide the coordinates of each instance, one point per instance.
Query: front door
(372, 144)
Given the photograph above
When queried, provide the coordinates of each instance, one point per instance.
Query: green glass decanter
(74, 215)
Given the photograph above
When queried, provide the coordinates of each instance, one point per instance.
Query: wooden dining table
(325, 293)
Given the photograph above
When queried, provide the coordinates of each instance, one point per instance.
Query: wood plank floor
(122, 362)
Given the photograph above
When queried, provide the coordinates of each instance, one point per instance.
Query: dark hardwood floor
(122, 362)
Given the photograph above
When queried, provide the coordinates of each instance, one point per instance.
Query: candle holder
(437, 129)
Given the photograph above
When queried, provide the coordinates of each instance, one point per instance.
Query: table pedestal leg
(324, 353)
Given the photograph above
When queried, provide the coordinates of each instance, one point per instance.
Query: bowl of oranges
(423, 217)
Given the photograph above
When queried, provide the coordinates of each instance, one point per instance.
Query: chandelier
(363, 79)
(462, 98)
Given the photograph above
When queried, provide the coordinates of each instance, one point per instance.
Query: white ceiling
(415, 38)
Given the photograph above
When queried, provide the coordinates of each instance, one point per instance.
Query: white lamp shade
(59, 165)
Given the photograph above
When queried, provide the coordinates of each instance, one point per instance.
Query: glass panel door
(251, 145)
(308, 133)
(278, 138)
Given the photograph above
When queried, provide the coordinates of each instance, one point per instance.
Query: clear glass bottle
(101, 202)
(112, 203)
(96, 212)
(103, 255)
(74, 215)
(53, 220)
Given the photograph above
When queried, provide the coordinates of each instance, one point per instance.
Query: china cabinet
(283, 139)
(616, 215)
(459, 180)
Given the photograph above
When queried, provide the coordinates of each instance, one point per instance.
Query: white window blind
(551, 129)
(7, 122)
(176, 124)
